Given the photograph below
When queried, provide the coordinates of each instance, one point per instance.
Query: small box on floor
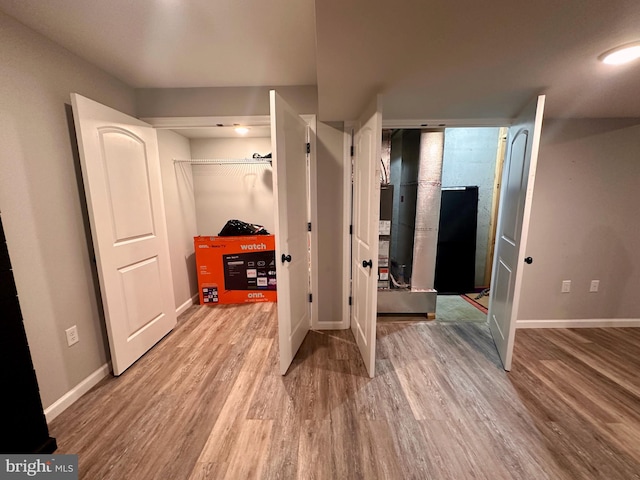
(236, 269)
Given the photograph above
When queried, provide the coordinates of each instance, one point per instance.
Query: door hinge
(350, 229)
(308, 147)
(352, 150)
(309, 227)
(310, 297)
(350, 300)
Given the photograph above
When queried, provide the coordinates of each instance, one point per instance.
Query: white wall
(330, 172)
(470, 160)
(585, 223)
(180, 211)
(41, 203)
(225, 192)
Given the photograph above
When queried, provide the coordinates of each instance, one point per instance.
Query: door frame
(347, 225)
(495, 202)
(348, 188)
(178, 123)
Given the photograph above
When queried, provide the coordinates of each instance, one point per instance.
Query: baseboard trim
(76, 392)
(183, 308)
(330, 326)
(580, 323)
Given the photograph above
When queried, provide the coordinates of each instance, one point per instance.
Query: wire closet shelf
(225, 161)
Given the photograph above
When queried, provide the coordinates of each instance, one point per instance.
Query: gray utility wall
(470, 160)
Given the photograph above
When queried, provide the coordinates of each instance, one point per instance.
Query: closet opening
(266, 176)
(230, 176)
(438, 209)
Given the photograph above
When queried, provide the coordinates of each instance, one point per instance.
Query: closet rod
(225, 161)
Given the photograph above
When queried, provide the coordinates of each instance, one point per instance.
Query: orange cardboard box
(236, 269)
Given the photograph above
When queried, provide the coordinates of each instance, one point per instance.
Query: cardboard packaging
(236, 269)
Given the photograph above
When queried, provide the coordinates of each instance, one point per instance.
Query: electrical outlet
(72, 335)
(595, 284)
(566, 286)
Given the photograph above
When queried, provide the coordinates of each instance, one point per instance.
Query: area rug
(481, 303)
(453, 308)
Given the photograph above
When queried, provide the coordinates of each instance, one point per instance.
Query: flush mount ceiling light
(622, 54)
(242, 130)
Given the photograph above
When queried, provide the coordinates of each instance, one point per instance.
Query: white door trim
(313, 216)
(446, 123)
(177, 123)
(347, 189)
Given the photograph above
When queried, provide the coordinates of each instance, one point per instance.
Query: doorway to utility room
(454, 208)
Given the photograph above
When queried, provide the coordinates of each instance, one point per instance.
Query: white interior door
(123, 186)
(513, 224)
(290, 190)
(364, 248)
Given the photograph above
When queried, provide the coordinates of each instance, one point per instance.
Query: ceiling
(182, 43)
(475, 59)
(440, 60)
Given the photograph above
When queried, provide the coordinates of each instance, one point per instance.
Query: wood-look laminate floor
(208, 403)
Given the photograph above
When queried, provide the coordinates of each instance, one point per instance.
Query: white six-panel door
(290, 190)
(123, 186)
(364, 249)
(513, 224)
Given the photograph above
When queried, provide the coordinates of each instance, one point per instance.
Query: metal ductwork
(421, 181)
(425, 242)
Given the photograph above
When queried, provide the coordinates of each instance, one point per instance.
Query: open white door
(513, 225)
(289, 147)
(364, 246)
(121, 171)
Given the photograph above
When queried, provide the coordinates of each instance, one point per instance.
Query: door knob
(286, 258)
(366, 264)
(528, 260)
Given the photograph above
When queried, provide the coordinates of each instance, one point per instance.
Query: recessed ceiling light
(242, 130)
(620, 55)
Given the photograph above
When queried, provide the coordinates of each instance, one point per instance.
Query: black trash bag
(237, 228)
